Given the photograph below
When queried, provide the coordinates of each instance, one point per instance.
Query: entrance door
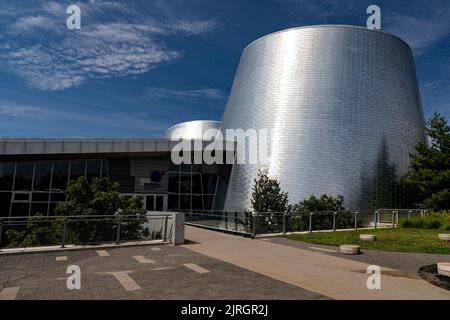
(155, 202)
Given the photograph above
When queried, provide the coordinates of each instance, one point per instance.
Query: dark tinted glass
(196, 183)
(174, 182)
(20, 209)
(209, 183)
(5, 202)
(39, 208)
(6, 176)
(197, 203)
(42, 175)
(185, 202)
(77, 169)
(185, 183)
(60, 175)
(172, 203)
(24, 175)
(93, 169)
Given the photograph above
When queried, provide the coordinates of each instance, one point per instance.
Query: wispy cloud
(154, 93)
(18, 111)
(23, 113)
(305, 9)
(31, 23)
(420, 32)
(114, 47)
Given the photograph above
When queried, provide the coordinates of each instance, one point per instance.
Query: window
(197, 203)
(42, 175)
(20, 209)
(77, 169)
(57, 197)
(40, 196)
(174, 182)
(173, 203)
(24, 176)
(185, 183)
(5, 203)
(39, 208)
(185, 202)
(60, 175)
(6, 176)
(19, 196)
(93, 169)
(196, 183)
(104, 168)
(209, 183)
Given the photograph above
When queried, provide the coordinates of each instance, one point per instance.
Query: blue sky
(138, 66)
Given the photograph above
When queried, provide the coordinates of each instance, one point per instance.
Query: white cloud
(114, 47)
(419, 32)
(18, 111)
(32, 23)
(152, 93)
(83, 117)
(193, 27)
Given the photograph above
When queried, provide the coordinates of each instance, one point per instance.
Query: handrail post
(119, 224)
(64, 234)
(356, 220)
(165, 227)
(393, 218)
(226, 220)
(253, 225)
(284, 223)
(1, 231)
(310, 221)
(409, 215)
(334, 220)
(235, 221)
(375, 219)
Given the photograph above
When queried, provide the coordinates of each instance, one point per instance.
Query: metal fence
(252, 224)
(84, 230)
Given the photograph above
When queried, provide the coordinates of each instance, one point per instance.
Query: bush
(439, 220)
(324, 207)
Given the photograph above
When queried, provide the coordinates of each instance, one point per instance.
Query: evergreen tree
(267, 195)
(430, 166)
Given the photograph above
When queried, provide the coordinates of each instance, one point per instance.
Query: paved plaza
(214, 265)
(143, 272)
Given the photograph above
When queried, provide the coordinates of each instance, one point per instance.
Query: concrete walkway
(332, 276)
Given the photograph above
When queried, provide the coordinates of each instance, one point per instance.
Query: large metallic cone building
(344, 108)
(340, 103)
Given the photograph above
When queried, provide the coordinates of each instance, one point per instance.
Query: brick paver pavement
(42, 276)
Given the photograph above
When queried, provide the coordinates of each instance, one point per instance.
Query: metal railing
(84, 230)
(232, 221)
(248, 223)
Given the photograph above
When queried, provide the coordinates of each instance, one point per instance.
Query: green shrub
(438, 220)
(433, 223)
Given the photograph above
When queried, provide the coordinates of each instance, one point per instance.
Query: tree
(84, 198)
(323, 207)
(269, 203)
(100, 197)
(430, 166)
(267, 195)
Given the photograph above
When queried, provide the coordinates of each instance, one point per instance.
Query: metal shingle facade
(338, 99)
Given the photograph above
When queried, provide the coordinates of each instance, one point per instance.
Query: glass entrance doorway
(155, 202)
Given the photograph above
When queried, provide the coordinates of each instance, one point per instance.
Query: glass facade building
(35, 187)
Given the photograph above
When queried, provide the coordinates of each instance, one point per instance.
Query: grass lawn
(398, 239)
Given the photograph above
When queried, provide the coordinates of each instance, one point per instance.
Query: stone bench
(349, 249)
(367, 237)
(444, 236)
(444, 268)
